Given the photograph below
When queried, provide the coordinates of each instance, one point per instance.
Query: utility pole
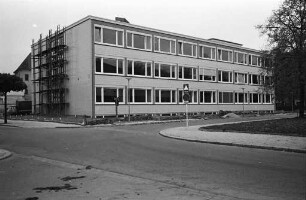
(128, 98)
(243, 101)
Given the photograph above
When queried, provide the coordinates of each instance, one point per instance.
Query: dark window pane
(173, 96)
(149, 69)
(156, 69)
(187, 49)
(225, 77)
(165, 96)
(173, 47)
(130, 95)
(180, 47)
(26, 77)
(130, 67)
(207, 96)
(129, 39)
(148, 42)
(187, 73)
(139, 68)
(98, 95)
(225, 55)
(149, 97)
(109, 94)
(201, 52)
(109, 36)
(120, 94)
(157, 95)
(120, 37)
(140, 96)
(156, 43)
(165, 70)
(201, 97)
(207, 52)
(120, 66)
(98, 64)
(109, 65)
(139, 41)
(164, 45)
(173, 71)
(97, 34)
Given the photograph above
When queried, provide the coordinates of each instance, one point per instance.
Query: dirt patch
(55, 188)
(69, 178)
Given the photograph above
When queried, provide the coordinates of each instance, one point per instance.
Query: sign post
(116, 100)
(186, 98)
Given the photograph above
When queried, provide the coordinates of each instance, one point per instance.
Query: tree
(286, 32)
(10, 83)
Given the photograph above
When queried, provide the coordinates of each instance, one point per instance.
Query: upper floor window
(207, 52)
(207, 96)
(109, 65)
(187, 49)
(139, 40)
(241, 78)
(254, 79)
(226, 97)
(139, 68)
(165, 70)
(189, 73)
(139, 95)
(26, 77)
(225, 55)
(109, 35)
(268, 80)
(241, 58)
(207, 74)
(255, 60)
(165, 45)
(165, 96)
(225, 76)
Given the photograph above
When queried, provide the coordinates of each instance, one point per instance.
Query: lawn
(289, 127)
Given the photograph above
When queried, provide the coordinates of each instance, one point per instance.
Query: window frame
(232, 92)
(203, 68)
(230, 77)
(259, 97)
(259, 60)
(246, 97)
(194, 76)
(138, 33)
(264, 98)
(102, 94)
(251, 79)
(133, 68)
(146, 95)
(102, 65)
(245, 57)
(171, 95)
(191, 94)
(171, 70)
(211, 47)
(102, 35)
(193, 54)
(245, 76)
(214, 92)
(164, 38)
(223, 49)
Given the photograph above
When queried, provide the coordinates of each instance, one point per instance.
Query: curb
(4, 154)
(237, 145)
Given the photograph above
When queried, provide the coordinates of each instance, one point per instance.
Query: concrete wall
(21, 74)
(79, 69)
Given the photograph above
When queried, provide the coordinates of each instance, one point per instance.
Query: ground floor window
(241, 97)
(226, 97)
(137, 95)
(107, 94)
(267, 98)
(207, 97)
(255, 98)
(165, 96)
(193, 96)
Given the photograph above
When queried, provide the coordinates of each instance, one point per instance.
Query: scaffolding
(49, 73)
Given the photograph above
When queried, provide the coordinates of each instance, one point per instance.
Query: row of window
(141, 95)
(135, 40)
(171, 71)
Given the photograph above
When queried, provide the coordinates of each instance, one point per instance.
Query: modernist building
(78, 70)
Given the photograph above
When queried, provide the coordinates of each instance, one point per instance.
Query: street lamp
(128, 99)
(243, 101)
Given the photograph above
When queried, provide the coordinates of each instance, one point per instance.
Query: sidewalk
(36, 124)
(261, 141)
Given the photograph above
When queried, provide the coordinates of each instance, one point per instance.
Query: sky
(232, 20)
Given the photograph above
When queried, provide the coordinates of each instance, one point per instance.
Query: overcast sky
(233, 20)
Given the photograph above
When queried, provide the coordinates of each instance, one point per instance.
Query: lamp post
(128, 99)
(243, 102)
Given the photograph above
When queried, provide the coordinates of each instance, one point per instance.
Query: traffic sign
(186, 97)
(186, 87)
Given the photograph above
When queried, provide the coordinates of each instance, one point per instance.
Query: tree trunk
(5, 107)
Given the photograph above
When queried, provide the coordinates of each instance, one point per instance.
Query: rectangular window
(267, 98)
(165, 96)
(207, 97)
(240, 58)
(240, 97)
(139, 68)
(109, 65)
(255, 60)
(107, 94)
(241, 78)
(188, 73)
(268, 80)
(207, 52)
(137, 95)
(254, 79)
(165, 70)
(255, 98)
(207, 74)
(225, 55)
(139, 40)
(165, 45)
(226, 97)
(109, 35)
(187, 48)
(26, 77)
(225, 76)
(193, 96)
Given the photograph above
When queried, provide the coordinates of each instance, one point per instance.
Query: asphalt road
(139, 151)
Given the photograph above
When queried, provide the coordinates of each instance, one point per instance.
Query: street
(142, 162)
